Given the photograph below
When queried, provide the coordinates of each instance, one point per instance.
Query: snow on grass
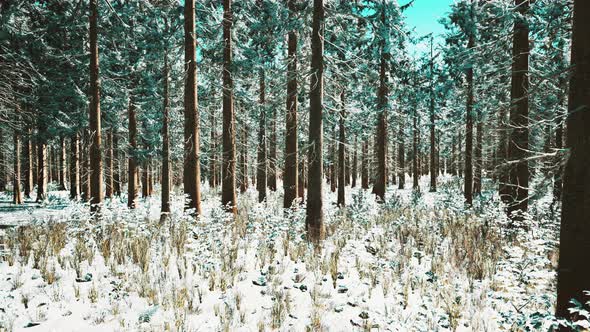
(419, 262)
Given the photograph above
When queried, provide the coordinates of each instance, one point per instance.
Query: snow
(419, 262)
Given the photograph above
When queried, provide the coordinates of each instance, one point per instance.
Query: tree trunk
(415, 168)
(290, 178)
(17, 197)
(2, 163)
(132, 158)
(41, 164)
(228, 183)
(314, 222)
(301, 180)
(477, 178)
(109, 156)
(354, 163)
(62, 163)
(94, 118)
(519, 115)
(244, 160)
(75, 166)
(341, 160)
(116, 165)
(574, 248)
(165, 209)
(468, 188)
(401, 154)
(333, 158)
(433, 168)
(365, 166)
(192, 170)
(29, 164)
(213, 152)
(85, 183)
(272, 155)
(381, 174)
(261, 162)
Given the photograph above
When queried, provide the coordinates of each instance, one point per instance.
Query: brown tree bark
(132, 158)
(341, 161)
(192, 170)
(477, 177)
(75, 166)
(94, 117)
(381, 171)
(290, 177)
(29, 163)
(85, 183)
(415, 157)
(354, 163)
(401, 155)
(261, 156)
(228, 171)
(314, 222)
(116, 165)
(2, 163)
(41, 164)
(468, 181)
(574, 253)
(17, 197)
(433, 168)
(213, 152)
(165, 208)
(109, 156)
(272, 152)
(365, 165)
(244, 160)
(62, 163)
(519, 114)
(332, 178)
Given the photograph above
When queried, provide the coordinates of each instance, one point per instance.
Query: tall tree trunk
(574, 253)
(261, 162)
(314, 222)
(477, 178)
(109, 156)
(381, 174)
(116, 165)
(519, 114)
(75, 166)
(365, 165)
(433, 168)
(85, 183)
(333, 158)
(415, 157)
(41, 164)
(192, 169)
(401, 154)
(355, 163)
(468, 188)
(62, 163)
(290, 178)
(165, 209)
(341, 160)
(29, 163)
(228, 183)
(94, 118)
(132, 158)
(244, 160)
(213, 152)
(17, 197)
(272, 153)
(2, 163)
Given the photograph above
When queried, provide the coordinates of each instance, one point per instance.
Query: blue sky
(423, 15)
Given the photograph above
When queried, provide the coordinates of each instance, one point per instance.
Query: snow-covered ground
(419, 262)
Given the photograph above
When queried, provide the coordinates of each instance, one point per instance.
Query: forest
(294, 165)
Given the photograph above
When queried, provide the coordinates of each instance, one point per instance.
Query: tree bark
(109, 156)
(29, 164)
(213, 152)
(468, 181)
(477, 178)
(17, 197)
(41, 164)
(381, 174)
(2, 163)
(261, 162)
(192, 170)
(365, 166)
(341, 161)
(355, 163)
(62, 163)
(94, 118)
(415, 157)
(314, 222)
(132, 158)
(290, 178)
(519, 114)
(433, 168)
(228, 183)
(272, 153)
(116, 165)
(401, 154)
(85, 167)
(574, 248)
(165, 209)
(75, 166)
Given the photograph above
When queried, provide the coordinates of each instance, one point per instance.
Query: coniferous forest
(294, 165)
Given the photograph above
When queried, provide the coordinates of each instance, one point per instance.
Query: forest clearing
(294, 165)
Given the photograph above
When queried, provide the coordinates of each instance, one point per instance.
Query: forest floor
(419, 262)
